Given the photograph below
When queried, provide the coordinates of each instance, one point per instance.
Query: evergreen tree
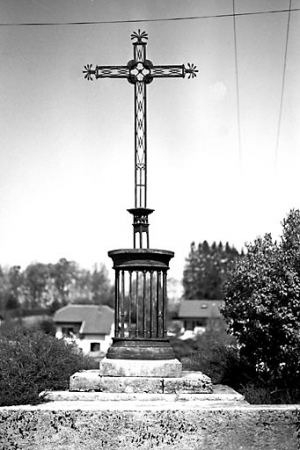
(206, 270)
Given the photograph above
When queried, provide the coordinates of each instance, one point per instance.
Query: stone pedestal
(140, 368)
(95, 381)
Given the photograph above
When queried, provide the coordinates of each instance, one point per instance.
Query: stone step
(187, 383)
(141, 425)
(221, 395)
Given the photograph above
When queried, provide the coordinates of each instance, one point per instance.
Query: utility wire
(283, 83)
(237, 86)
(103, 22)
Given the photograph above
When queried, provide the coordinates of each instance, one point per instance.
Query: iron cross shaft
(140, 72)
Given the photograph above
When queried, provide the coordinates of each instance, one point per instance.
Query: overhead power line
(237, 85)
(103, 22)
(283, 83)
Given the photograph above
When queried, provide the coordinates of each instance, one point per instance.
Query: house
(90, 326)
(197, 315)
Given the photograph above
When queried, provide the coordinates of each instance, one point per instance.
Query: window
(95, 347)
(68, 331)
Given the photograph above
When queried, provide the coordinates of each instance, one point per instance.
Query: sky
(215, 170)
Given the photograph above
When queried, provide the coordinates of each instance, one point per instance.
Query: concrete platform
(187, 383)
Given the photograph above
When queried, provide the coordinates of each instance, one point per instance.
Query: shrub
(257, 395)
(218, 361)
(47, 326)
(214, 353)
(262, 309)
(224, 365)
(183, 348)
(32, 361)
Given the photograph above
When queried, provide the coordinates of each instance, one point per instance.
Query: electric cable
(237, 85)
(104, 22)
(283, 84)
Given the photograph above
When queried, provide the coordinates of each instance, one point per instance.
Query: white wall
(84, 342)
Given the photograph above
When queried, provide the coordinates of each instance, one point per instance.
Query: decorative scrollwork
(191, 70)
(139, 35)
(89, 72)
(140, 219)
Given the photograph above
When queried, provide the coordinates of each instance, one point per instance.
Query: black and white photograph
(149, 224)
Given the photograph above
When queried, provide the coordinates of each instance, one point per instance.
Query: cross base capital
(140, 224)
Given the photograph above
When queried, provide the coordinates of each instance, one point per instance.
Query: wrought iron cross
(140, 72)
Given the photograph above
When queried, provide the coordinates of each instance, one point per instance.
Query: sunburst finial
(89, 72)
(139, 36)
(191, 70)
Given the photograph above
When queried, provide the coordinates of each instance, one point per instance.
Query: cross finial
(89, 72)
(191, 70)
(139, 36)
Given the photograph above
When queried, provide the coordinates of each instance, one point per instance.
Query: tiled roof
(94, 319)
(200, 309)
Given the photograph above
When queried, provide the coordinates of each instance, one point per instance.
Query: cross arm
(177, 71)
(105, 72)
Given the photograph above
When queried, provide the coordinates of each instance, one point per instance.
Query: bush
(217, 355)
(47, 326)
(219, 362)
(262, 309)
(224, 365)
(183, 348)
(214, 353)
(32, 361)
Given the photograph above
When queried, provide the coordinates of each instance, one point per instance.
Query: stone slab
(221, 395)
(145, 426)
(140, 368)
(93, 380)
(188, 383)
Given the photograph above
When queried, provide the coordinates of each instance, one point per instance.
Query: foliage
(183, 348)
(218, 356)
(32, 362)
(10, 282)
(51, 286)
(36, 277)
(213, 353)
(206, 270)
(63, 273)
(101, 288)
(218, 361)
(47, 326)
(262, 309)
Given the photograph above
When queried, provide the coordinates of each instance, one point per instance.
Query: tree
(36, 277)
(52, 286)
(102, 289)
(16, 281)
(206, 270)
(11, 288)
(262, 305)
(64, 274)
